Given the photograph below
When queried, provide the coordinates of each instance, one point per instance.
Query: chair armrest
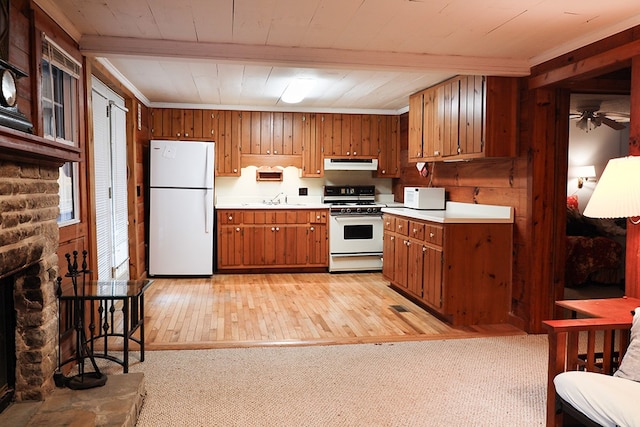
(606, 342)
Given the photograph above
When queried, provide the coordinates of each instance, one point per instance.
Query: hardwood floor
(241, 310)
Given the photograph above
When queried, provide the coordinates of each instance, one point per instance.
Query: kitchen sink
(271, 205)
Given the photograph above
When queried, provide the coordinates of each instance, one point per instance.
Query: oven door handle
(347, 218)
(356, 254)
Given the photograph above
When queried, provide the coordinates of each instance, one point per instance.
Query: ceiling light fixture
(297, 90)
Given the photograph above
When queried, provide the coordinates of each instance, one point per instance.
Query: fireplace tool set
(82, 380)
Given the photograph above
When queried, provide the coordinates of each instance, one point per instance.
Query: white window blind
(102, 180)
(118, 118)
(110, 152)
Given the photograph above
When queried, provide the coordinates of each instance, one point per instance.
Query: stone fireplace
(28, 263)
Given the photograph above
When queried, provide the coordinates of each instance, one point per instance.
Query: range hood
(348, 164)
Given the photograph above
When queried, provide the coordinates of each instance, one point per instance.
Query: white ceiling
(367, 55)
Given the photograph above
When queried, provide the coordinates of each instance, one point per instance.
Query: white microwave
(431, 198)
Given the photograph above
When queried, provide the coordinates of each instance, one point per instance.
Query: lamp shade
(617, 194)
(586, 171)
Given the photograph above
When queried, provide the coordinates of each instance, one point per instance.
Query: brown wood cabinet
(272, 238)
(463, 118)
(460, 272)
(262, 138)
(225, 130)
(186, 124)
(312, 149)
(387, 134)
(349, 135)
(272, 138)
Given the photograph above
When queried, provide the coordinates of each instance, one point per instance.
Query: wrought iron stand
(82, 380)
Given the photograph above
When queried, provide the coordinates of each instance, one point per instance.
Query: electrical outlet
(303, 191)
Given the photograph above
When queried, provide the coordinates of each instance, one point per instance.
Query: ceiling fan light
(583, 124)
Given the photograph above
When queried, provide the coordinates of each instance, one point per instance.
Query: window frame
(60, 92)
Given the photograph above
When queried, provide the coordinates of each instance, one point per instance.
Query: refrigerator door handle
(208, 168)
(208, 212)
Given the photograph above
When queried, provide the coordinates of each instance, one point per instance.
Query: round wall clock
(9, 89)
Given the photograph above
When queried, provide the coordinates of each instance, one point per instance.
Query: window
(60, 74)
(68, 184)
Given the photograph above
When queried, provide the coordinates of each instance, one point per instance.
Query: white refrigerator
(181, 208)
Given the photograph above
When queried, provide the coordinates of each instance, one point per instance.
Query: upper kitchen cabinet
(312, 155)
(348, 135)
(387, 139)
(225, 127)
(272, 138)
(463, 118)
(187, 124)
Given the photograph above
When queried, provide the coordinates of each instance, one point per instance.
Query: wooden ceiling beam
(602, 63)
(303, 57)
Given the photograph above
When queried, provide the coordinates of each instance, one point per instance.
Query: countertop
(458, 213)
(274, 206)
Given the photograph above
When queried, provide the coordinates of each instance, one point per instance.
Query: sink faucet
(275, 200)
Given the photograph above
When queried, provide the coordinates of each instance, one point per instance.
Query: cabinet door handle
(415, 230)
(277, 228)
(312, 228)
(268, 151)
(355, 154)
(392, 238)
(318, 171)
(230, 218)
(431, 235)
(275, 151)
(237, 228)
(273, 229)
(399, 226)
(347, 153)
(186, 134)
(424, 249)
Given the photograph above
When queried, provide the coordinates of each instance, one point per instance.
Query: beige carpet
(467, 382)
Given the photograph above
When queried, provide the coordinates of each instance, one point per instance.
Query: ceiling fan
(590, 117)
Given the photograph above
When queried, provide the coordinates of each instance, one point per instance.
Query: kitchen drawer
(389, 223)
(318, 217)
(229, 217)
(434, 234)
(416, 230)
(402, 226)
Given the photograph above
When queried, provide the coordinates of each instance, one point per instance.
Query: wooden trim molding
(24, 147)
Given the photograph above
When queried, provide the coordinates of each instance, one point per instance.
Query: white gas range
(355, 228)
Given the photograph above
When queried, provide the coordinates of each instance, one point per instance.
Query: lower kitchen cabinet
(460, 271)
(272, 238)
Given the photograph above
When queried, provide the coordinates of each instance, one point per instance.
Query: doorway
(595, 258)
(110, 182)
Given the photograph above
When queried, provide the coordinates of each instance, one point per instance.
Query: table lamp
(617, 193)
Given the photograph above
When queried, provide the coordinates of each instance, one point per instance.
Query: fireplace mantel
(24, 147)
